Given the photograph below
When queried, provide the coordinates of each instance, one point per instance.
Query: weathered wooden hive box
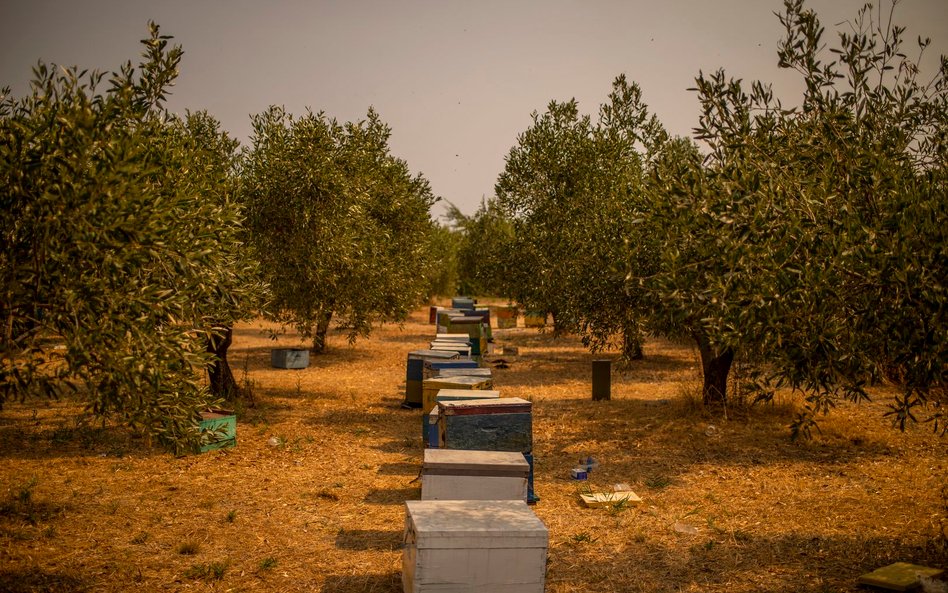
(502, 424)
(469, 372)
(415, 372)
(462, 303)
(485, 315)
(218, 430)
(449, 474)
(473, 546)
(459, 348)
(289, 358)
(431, 387)
(433, 366)
(473, 327)
(443, 318)
(445, 395)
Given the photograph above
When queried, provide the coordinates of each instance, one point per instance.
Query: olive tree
(485, 242)
(813, 236)
(571, 189)
(340, 226)
(112, 269)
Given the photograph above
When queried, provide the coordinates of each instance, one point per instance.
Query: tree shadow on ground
(378, 583)
(778, 564)
(70, 435)
(538, 370)
(37, 580)
(399, 469)
(393, 495)
(645, 438)
(368, 539)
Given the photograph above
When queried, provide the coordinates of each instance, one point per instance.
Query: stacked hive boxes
(502, 424)
(415, 373)
(472, 530)
(431, 387)
(452, 395)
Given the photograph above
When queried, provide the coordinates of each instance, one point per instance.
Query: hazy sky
(456, 80)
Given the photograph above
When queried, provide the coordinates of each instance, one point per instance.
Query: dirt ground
(311, 498)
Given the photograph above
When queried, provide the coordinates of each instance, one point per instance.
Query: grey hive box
(289, 358)
(448, 474)
(473, 546)
(469, 372)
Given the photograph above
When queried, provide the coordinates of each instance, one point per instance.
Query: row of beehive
(472, 530)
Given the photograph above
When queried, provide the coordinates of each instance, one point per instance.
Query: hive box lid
(452, 338)
(460, 320)
(447, 395)
(455, 347)
(451, 364)
(456, 462)
(478, 372)
(445, 524)
(441, 354)
(501, 405)
(465, 382)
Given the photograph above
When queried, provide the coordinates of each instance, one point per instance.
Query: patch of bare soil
(311, 499)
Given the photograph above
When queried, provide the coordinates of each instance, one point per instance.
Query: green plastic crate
(218, 430)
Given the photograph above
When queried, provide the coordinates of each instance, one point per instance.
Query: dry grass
(88, 508)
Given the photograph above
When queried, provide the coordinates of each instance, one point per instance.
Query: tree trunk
(558, 327)
(715, 365)
(632, 344)
(220, 377)
(319, 336)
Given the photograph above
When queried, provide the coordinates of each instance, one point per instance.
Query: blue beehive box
(415, 371)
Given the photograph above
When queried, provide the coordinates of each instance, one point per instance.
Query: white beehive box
(450, 474)
(473, 546)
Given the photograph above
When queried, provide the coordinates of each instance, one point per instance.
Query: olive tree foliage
(442, 277)
(571, 188)
(341, 227)
(112, 271)
(484, 246)
(814, 237)
(205, 164)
